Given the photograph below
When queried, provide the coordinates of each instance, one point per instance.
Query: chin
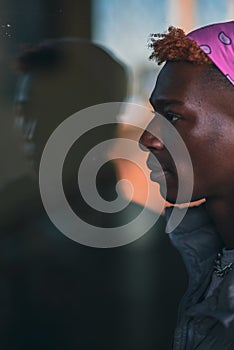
(170, 195)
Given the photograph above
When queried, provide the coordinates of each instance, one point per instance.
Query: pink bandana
(217, 41)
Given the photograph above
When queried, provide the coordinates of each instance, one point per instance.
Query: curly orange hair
(176, 46)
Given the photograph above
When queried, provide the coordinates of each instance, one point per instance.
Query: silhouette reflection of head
(58, 78)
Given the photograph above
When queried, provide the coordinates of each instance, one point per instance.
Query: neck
(221, 212)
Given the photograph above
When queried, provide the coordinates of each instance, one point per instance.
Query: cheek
(213, 165)
(202, 150)
(206, 143)
(210, 142)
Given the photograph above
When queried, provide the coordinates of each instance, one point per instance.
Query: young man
(194, 91)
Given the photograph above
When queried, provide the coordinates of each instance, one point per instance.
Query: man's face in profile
(202, 115)
(36, 114)
(26, 117)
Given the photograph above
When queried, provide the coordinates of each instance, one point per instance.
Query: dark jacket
(203, 324)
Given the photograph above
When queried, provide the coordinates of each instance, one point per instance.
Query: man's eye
(171, 117)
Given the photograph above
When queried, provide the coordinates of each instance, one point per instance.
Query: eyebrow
(162, 102)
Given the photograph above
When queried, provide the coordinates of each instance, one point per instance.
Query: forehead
(179, 81)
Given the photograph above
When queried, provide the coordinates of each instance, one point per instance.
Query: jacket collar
(195, 237)
(198, 242)
(220, 305)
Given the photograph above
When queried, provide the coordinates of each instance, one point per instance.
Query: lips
(159, 176)
(159, 172)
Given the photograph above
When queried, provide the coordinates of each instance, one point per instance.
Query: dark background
(128, 296)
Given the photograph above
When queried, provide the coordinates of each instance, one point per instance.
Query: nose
(24, 122)
(149, 142)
